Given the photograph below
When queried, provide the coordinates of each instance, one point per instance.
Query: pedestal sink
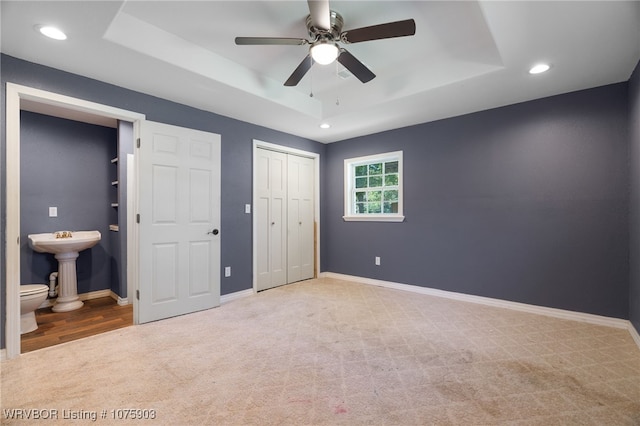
(65, 246)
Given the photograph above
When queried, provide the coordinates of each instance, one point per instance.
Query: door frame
(316, 200)
(65, 106)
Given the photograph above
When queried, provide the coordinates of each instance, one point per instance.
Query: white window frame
(350, 165)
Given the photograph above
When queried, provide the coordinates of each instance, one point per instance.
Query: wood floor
(96, 316)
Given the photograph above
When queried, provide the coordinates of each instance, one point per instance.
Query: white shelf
(114, 228)
(114, 183)
(114, 204)
(115, 160)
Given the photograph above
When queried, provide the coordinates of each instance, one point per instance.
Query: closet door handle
(214, 232)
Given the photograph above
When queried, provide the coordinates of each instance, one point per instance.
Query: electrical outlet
(227, 271)
(247, 208)
(378, 260)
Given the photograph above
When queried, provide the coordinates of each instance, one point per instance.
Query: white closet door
(271, 211)
(300, 218)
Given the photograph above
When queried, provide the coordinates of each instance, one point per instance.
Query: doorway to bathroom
(21, 98)
(73, 177)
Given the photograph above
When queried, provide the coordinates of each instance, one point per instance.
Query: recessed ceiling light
(539, 68)
(51, 32)
(325, 125)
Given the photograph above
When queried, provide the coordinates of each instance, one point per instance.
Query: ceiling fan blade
(270, 41)
(377, 32)
(320, 14)
(299, 72)
(356, 67)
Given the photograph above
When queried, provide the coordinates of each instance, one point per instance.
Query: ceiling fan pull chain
(337, 76)
(311, 79)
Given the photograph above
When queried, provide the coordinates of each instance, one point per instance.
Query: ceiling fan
(325, 31)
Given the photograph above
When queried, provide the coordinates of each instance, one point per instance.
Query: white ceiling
(466, 56)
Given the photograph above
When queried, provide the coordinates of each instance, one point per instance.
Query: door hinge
(138, 218)
(138, 142)
(138, 294)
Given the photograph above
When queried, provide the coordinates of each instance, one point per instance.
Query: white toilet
(31, 297)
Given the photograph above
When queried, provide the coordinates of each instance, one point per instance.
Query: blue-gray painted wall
(236, 153)
(634, 224)
(66, 164)
(526, 203)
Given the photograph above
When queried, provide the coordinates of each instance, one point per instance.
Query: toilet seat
(30, 289)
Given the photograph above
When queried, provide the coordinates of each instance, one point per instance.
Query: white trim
(374, 218)
(225, 298)
(132, 235)
(634, 334)
(14, 95)
(96, 294)
(121, 301)
(316, 189)
(12, 229)
(516, 306)
(349, 170)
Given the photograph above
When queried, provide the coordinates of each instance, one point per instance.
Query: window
(373, 188)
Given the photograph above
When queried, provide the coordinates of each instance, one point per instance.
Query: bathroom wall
(634, 187)
(527, 203)
(66, 164)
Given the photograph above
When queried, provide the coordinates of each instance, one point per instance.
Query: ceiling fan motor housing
(332, 34)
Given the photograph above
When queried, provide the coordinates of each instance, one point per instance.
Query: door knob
(214, 232)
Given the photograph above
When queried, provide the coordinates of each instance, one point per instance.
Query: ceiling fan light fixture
(324, 52)
(325, 126)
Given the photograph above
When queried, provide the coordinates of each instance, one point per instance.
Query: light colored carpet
(332, 352)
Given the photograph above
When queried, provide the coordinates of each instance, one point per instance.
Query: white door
(179, 195)
(300, 218)
(271, 211)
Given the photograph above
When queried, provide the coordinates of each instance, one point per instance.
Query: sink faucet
(63, 234)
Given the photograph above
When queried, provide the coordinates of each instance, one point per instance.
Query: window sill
(374, 218)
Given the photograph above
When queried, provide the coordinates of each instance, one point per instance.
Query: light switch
(227, 271)
(247, 208)
(53, 212)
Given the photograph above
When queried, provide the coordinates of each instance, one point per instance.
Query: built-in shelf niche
(115, 227)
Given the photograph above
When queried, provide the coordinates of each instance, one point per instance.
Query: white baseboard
(91, 295)
(523, 307)
(95, 294)
(122, 301)
(237, 295)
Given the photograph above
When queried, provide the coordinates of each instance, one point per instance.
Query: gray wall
(119, 264)
(66, 164)
(634, 160)
(237, 137)
(525, 203)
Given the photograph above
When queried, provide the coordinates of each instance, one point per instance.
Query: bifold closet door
(271, 211)
(300, 220)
